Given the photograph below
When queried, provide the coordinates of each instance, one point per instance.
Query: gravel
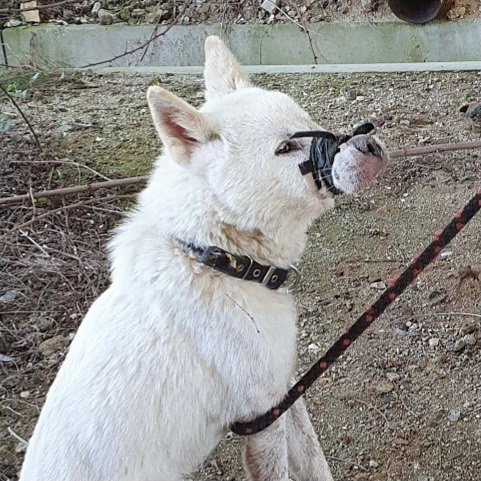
(225, 12)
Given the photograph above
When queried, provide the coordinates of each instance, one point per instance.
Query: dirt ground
(404, 403)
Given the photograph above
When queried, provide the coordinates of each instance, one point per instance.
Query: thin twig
(154, 31)
(35, 243)
(38, 7)
(374, 408)
(81, 203)
(307, 31)
(64, 162)
(429, 149)
(4, 90)
(76, 189)
(16, 436)
(348, 461)
(10, 409)
(144, 45)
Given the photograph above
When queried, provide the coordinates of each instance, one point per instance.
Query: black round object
(415, 11)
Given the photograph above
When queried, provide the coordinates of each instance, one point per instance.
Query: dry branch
(430, 149)
(75, 189)
(4, 90)
(81, 203)
(406, 152)
(144, 45)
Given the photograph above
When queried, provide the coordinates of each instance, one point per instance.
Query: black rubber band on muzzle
(324, 147)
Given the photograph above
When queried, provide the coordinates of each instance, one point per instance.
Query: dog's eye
(284, 148)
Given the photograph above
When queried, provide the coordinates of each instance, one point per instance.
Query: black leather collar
(241, 267)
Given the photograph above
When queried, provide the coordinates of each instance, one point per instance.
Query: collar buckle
(248, 268)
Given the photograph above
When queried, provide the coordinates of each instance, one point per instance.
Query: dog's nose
(368, 145)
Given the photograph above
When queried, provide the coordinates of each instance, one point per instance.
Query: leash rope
(398, 284)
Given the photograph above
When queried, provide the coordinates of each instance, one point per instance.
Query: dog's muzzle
(324, 147)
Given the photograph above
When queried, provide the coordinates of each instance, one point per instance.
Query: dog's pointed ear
(222, 73)
(180, 127)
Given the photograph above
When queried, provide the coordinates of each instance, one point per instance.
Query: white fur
(173, 352)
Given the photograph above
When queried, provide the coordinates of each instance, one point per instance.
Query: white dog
(176, 350)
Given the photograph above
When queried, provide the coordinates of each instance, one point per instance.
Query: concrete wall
(333, 43)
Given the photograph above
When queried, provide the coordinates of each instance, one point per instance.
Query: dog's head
(239, 144)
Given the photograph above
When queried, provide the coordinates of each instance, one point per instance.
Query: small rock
(9, 296)
(269, 5)
(384, 387)
(378, 285)
(138, 12)
(445, 254)
(4, 358)
(14, 22)
(373, 464)
(204, 8)
(470, 339)
(52, 345)
(393, 376)
(434, 294)
(468, 329)
(25, 394)
(124, 14)
(313, 347)
(433, 342)
(64, 128)
(457, 346)
(454, 415)
(105, 17)
(95, 9)
(352, 94)
(456, 12)
(30, 16)
(368, 5)
(153, 17)
(400, 331)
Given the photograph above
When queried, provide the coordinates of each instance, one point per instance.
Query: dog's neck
(185, 209)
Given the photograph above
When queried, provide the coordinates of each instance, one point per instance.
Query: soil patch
(405, 402)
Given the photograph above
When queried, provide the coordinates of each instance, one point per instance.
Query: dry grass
(52, 266)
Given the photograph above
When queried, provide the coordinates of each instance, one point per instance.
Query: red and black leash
(397, 285)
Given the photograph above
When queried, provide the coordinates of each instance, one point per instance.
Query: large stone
(270, 6)
(105, 17)
(30, 16)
